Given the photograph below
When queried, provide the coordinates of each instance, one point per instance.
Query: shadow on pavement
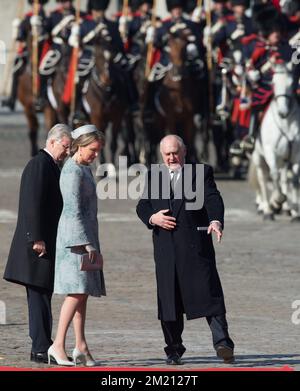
(241, 361)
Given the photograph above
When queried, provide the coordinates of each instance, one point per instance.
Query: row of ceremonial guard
(247, 47)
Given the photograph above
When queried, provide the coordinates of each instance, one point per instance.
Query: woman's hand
(95, 256)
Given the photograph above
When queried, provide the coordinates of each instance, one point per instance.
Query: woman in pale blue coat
(77, 234)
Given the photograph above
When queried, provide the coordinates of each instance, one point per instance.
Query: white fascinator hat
(85, 129)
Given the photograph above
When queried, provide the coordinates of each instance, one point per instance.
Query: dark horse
(175, 104)
(106, 93)
(61, 108)
(25, 96)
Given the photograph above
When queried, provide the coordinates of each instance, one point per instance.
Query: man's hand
(40, 247)
(216, 227)
(35, 21)
(163, 221)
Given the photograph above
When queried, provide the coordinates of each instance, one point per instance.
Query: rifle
(199, 3)
(74, 59)
(209, 57)
(12, 51)
(35, 52)
(125, 14)
(150, 44)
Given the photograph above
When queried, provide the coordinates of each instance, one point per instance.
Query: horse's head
(283, 88)
(104, 55)
(180, 36)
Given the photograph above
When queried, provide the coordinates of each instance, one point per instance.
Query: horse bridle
(175, 73)
(288, 97)
(100, 84)
(282, 132)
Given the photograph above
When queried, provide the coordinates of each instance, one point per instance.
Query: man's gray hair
(179, 139)
(58, 132)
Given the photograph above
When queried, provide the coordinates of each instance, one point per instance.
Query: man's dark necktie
(172, 185)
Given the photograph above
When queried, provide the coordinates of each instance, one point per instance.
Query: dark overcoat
(40, 206)
(187, 251)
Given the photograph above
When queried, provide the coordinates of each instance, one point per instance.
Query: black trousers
(40, 318)
(173, 329)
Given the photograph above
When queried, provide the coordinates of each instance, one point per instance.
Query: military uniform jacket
(25, 27)
(161, 36)
(89, 31)
(233, 31)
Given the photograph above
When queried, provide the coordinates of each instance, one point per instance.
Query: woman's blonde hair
(87, 139)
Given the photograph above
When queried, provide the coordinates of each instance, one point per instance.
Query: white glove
(150, 35)
(207, 31)
(74, 36)
(15, 28)
(145, 26)
(237, 56)
(75, 29)
(192, 51)
(73, 41)
(123, 20)
(238, 33)
(206, 35)
(35, 21)
(123, 25)
(196, 15)
(238, 70)
(253, 75)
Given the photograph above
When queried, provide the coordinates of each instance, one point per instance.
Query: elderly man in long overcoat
(186, 274)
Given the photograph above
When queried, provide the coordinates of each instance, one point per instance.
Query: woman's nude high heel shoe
(86, 359)
(52, 353)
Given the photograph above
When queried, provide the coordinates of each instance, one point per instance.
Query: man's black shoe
(41, 357)
(174, 359)
(226, 353)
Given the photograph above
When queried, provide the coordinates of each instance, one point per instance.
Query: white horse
(277, 149)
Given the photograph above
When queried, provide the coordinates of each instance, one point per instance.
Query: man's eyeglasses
(66, 147)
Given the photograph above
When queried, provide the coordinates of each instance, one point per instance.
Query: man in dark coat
(32, 253)
(187, 278)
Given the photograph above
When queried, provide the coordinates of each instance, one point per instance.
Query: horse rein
(282, 132)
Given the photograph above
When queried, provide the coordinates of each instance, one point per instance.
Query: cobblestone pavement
(258, 264)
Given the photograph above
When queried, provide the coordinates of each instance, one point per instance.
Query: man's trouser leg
(173, 329)
(40, 318)
(219, 329)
